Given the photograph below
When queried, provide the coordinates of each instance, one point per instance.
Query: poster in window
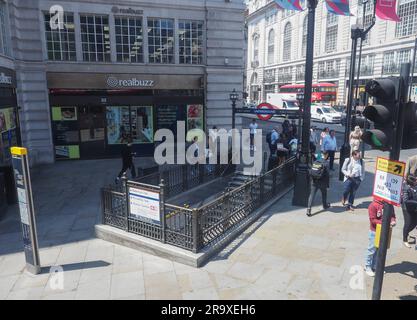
(142, 124)
(65, 132)
(67, 152)
(64, 114)
(118, 125)
(195, 117)
(7, 119)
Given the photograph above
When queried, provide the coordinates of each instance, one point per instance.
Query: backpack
(269, 137)
(317, 170)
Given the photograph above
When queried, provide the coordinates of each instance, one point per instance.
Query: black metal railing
(195, 228)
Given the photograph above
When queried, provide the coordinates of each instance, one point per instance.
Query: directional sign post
(27, 212)
(389, 179)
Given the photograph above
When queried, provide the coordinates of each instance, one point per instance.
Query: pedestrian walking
(409, 206)
(286, 127)
(375, 211)
(272, 139)
(314, 140)
(127, 160)
(320, 177)
(282, 148)
(324, 133)
(253, 127)
(355, 139)
(330, 147)
(354, 172)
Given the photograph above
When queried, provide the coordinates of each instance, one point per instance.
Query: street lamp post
(302, 180)
(234, 96)
(356, 33)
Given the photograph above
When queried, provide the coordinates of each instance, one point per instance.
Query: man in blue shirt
(330, 147)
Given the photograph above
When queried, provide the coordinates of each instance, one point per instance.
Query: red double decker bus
(322, 92)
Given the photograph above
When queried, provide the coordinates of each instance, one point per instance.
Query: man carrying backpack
(320, 176)
(272, 138)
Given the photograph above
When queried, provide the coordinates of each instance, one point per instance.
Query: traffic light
(410, 126)
(382, 113)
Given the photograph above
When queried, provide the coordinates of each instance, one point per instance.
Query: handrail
(236, 190)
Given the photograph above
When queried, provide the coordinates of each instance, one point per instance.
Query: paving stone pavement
(284, 255)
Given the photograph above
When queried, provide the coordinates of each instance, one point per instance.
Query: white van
(282, 101)
(325, 114)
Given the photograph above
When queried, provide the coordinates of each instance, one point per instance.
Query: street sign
(265, 113)
(265, 116)
(389, 177)
(26, 207)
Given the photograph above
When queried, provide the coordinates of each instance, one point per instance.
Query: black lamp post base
(302, 187)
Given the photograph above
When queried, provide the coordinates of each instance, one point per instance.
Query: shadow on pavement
(78, 266)
(406, 268)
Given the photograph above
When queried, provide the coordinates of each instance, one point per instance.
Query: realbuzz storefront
(93, 115)
(9, 134)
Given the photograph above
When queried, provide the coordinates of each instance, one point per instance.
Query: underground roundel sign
(264, 111)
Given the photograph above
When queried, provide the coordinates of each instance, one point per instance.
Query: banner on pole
(289, 4)
(338, 7)
(385, 10)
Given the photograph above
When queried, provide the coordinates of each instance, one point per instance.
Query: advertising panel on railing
(144, 204)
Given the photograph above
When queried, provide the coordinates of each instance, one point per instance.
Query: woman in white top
(354, 172)
(355, 139)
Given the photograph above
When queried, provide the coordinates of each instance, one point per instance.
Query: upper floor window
(286, 52)
(161, 40)
(271, 46)
(129, 39)
(331, 32)
(304, 39)
(4, 30)
(407, 11)
(255, 55)
(60, 43)
(95, 38)
(191, 42)
(394, 59)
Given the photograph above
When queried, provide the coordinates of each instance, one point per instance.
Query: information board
(389, 177)
(144, 203)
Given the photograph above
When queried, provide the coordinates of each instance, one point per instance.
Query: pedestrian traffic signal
(410, 126)
(382, 113)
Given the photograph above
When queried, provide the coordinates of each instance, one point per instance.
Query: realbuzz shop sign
(389, 177)
(145, 204)
(114, 82)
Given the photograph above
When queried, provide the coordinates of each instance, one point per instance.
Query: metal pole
(359, 64)
(356, 33)
(233, 114)
(389, 209)
(302, 179)
(412, 70)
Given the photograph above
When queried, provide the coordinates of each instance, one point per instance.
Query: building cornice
(261, 11)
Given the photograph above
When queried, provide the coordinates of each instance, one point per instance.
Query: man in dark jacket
(321, 182)
(127, 159)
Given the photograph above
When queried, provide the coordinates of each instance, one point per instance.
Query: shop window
(66, 132)
(191, 42)
(8, 133)
(161, 40)
(95, 37)
(125, 122)
(129, 39)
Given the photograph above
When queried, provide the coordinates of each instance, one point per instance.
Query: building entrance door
(92, 132)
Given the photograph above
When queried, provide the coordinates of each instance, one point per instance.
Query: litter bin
(11, 194)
